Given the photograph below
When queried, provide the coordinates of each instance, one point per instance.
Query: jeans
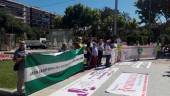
(108, 57)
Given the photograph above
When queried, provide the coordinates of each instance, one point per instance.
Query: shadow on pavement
(163, 56)
(100, 68)
(4, 93)
(167, 71)
(166, 75)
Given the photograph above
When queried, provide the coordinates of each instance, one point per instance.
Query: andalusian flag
(45, 69)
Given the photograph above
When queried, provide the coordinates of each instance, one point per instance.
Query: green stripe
(41, 83)
(39, 59)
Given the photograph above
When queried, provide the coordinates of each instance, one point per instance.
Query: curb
(8, 90)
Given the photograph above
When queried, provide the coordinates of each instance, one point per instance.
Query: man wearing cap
(18, 58)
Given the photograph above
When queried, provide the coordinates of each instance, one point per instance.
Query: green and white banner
(45, 69)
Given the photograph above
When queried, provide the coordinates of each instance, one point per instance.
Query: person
(88, 54)
(76, 45)
(64, 48)
(119, 54)
(108, 52)
(100, 52)
(94, 55)
(80, 44)
(139, 50)
(158, 50)
(18, 58)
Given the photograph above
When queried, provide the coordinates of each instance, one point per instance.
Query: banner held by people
(43, 69)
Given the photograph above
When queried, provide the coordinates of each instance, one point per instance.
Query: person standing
(139, 50)
(19, 60)
(100, 52)
(158, 50)
(88, 54)
(64, 47)
(108, 52)
(94, 55)
(119, 50)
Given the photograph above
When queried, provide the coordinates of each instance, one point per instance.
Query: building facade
(33, 16)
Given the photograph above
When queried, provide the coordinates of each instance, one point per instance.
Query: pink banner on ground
(86, 85)
(130, 84)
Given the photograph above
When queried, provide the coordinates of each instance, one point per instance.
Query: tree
(148, 10)
(11, 25)
(58, 22)
(74, 16)
(165, 9)
(99, 23)
(78, 17)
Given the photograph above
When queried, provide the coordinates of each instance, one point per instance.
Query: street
(158, 79)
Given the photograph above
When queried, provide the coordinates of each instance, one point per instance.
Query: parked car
(35, 44)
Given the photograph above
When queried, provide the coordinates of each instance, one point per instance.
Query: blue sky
(58, 6)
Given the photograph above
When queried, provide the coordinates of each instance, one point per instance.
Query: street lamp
(150, 21)
(115, 21)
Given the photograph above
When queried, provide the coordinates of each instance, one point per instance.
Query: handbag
(16, 67)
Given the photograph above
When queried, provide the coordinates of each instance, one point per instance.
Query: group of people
(95, 50)
(93, 53)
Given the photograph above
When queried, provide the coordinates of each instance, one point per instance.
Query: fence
(6, 57)
(131, 53)
(59, 36)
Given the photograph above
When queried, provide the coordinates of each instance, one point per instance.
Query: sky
(59, 6)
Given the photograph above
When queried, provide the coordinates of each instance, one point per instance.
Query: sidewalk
(159, 77)
(158, 84)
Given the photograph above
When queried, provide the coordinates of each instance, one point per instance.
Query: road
(158, 79)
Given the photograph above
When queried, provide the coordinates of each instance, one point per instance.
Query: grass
(7, 75)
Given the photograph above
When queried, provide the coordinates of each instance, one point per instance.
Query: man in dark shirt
(19, 56)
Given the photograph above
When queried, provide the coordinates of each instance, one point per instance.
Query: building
(40, 18)
(33, 16)
(16, 9)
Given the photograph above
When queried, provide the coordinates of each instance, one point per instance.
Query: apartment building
(35, 17)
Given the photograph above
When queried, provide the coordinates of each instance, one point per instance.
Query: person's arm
(17, 58)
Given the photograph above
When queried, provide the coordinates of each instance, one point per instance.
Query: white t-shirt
(108, 50)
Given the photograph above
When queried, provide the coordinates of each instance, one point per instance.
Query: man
(158, 50)
(19, 56)
(100, 52)
(64, 47)
(108, 52)
(139, 50)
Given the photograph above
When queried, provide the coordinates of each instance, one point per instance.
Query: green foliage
(150, 12)
(79, 15)
(99, 22)
(138, 36)
(9, 24)
(58, 20)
